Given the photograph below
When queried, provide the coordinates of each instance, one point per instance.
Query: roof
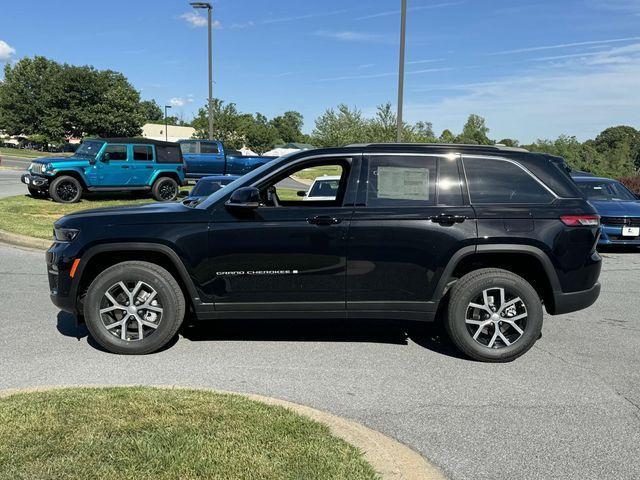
(136, 141)
(583, 178)
(456, 146)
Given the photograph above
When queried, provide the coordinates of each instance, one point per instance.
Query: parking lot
(570, 408)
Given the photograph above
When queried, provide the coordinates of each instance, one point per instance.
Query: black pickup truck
(482, 238)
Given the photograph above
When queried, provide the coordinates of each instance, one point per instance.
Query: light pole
(209, 8)
(403, 35)
(166, 123)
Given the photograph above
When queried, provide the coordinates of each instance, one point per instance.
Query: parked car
(109, 165)
(494, 234)
(322, 188)
(618, 207)
(208, 157)
(206, 186)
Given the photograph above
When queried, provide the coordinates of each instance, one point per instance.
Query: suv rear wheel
(65, 189)
(165, 189)
(494, 315)
(134, 308)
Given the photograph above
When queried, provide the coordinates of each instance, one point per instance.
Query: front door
(290, 253)
(411, 217)
(114, 169)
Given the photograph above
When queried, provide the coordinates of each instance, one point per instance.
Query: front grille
(37, 168)
(621, 221)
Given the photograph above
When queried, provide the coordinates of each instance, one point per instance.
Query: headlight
(47, 167)
(64, 235)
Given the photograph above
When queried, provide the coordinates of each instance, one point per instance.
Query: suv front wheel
(134, 308)
(494, 315)
(65, 189)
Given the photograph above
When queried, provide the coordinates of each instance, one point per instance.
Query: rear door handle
(445, 219)
(324, 220)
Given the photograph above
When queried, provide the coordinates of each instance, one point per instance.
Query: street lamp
(166, 123)
(403, 34)
(209, 8)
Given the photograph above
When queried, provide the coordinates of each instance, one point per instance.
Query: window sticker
(403, 183)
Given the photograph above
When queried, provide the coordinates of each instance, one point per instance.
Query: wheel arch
(165, 173)
(71, 173)
(100, 257)
(527, 261)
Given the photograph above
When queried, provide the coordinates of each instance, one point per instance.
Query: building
(156, 131)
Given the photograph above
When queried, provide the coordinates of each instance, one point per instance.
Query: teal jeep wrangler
(109, 165)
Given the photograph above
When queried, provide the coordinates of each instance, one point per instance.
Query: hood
(151, 208)
(617, 209)
(57, 159)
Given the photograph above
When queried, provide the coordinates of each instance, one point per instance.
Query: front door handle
(446, 219)
(324, 220)
(125, 166)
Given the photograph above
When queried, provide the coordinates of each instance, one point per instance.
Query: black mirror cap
(244, 198)
(301, 193)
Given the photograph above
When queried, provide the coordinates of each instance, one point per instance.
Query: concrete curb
(391, 459)
(24, 241)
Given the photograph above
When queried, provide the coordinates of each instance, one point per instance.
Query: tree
(617, 139)
(474, 131)
(288, 126)
(509, 142)
(340, 127)
(229, 126)
(447, 136)
(151, 111)
(261, 134)
(54, 101)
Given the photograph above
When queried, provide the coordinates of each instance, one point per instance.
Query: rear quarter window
(492, 180)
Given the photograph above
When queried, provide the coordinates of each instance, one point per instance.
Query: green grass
(34, 217)
(315, 172)
(146, 433)
(26, 153)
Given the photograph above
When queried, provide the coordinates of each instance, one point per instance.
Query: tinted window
(498, 181)
(204, 188)
(401, 181)
(116, 152)
(189, 147)
(208, 147)
(324, 188)
(143, 153)
(449, 184)
(605, 191)
(168, 154)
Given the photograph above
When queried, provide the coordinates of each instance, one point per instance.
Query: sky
(532, 68)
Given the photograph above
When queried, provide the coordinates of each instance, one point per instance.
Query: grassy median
(146, 433)
(34, 217)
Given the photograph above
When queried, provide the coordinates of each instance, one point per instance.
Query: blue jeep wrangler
(109, 165)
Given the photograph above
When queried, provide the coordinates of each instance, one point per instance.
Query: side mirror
(245, 198)
(92, 161)
(301, 193)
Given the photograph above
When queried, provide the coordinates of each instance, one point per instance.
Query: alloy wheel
(131, 311)
(67, 191)
(497, 318)
(167, 191)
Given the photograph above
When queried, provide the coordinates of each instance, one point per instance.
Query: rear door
(410, 218)
(143, 164)
(211, 158)
(192, 158)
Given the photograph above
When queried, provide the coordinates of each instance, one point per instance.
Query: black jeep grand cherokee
(485, 236)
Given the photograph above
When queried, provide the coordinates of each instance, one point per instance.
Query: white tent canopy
(278, 152)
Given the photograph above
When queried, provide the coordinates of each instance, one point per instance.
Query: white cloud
(564, 45)
(243, 25)
(384, 74)
(195, 20)
(303, 17)
(6, 51)
(410, 9)
(580, 101)
(350, 36)
(417, 62)
(180, 101)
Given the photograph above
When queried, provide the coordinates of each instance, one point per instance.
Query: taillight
(581, 220)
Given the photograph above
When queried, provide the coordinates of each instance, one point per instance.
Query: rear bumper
(34, 180)
(574, 301)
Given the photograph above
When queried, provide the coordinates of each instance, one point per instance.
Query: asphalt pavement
(569, 408)
(10, 183)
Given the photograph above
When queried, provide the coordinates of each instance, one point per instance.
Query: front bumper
(62, 288)
(612, 235)
(35, 181)
(574, 301)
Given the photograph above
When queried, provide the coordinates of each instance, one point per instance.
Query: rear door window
(210, 148)
(492, 180)
(143, 153)
(189, 148)
(399, 181)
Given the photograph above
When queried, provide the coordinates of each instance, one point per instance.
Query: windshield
(89, 148)
(247, 179)
(605, 191)
(324, 188)
(204, 188)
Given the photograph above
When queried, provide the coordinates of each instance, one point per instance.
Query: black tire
(165, 189)
(65, 189)
(469, 289)
(36, 193)
(169, 295)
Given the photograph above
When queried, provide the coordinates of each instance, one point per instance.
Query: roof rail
(457, 146)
